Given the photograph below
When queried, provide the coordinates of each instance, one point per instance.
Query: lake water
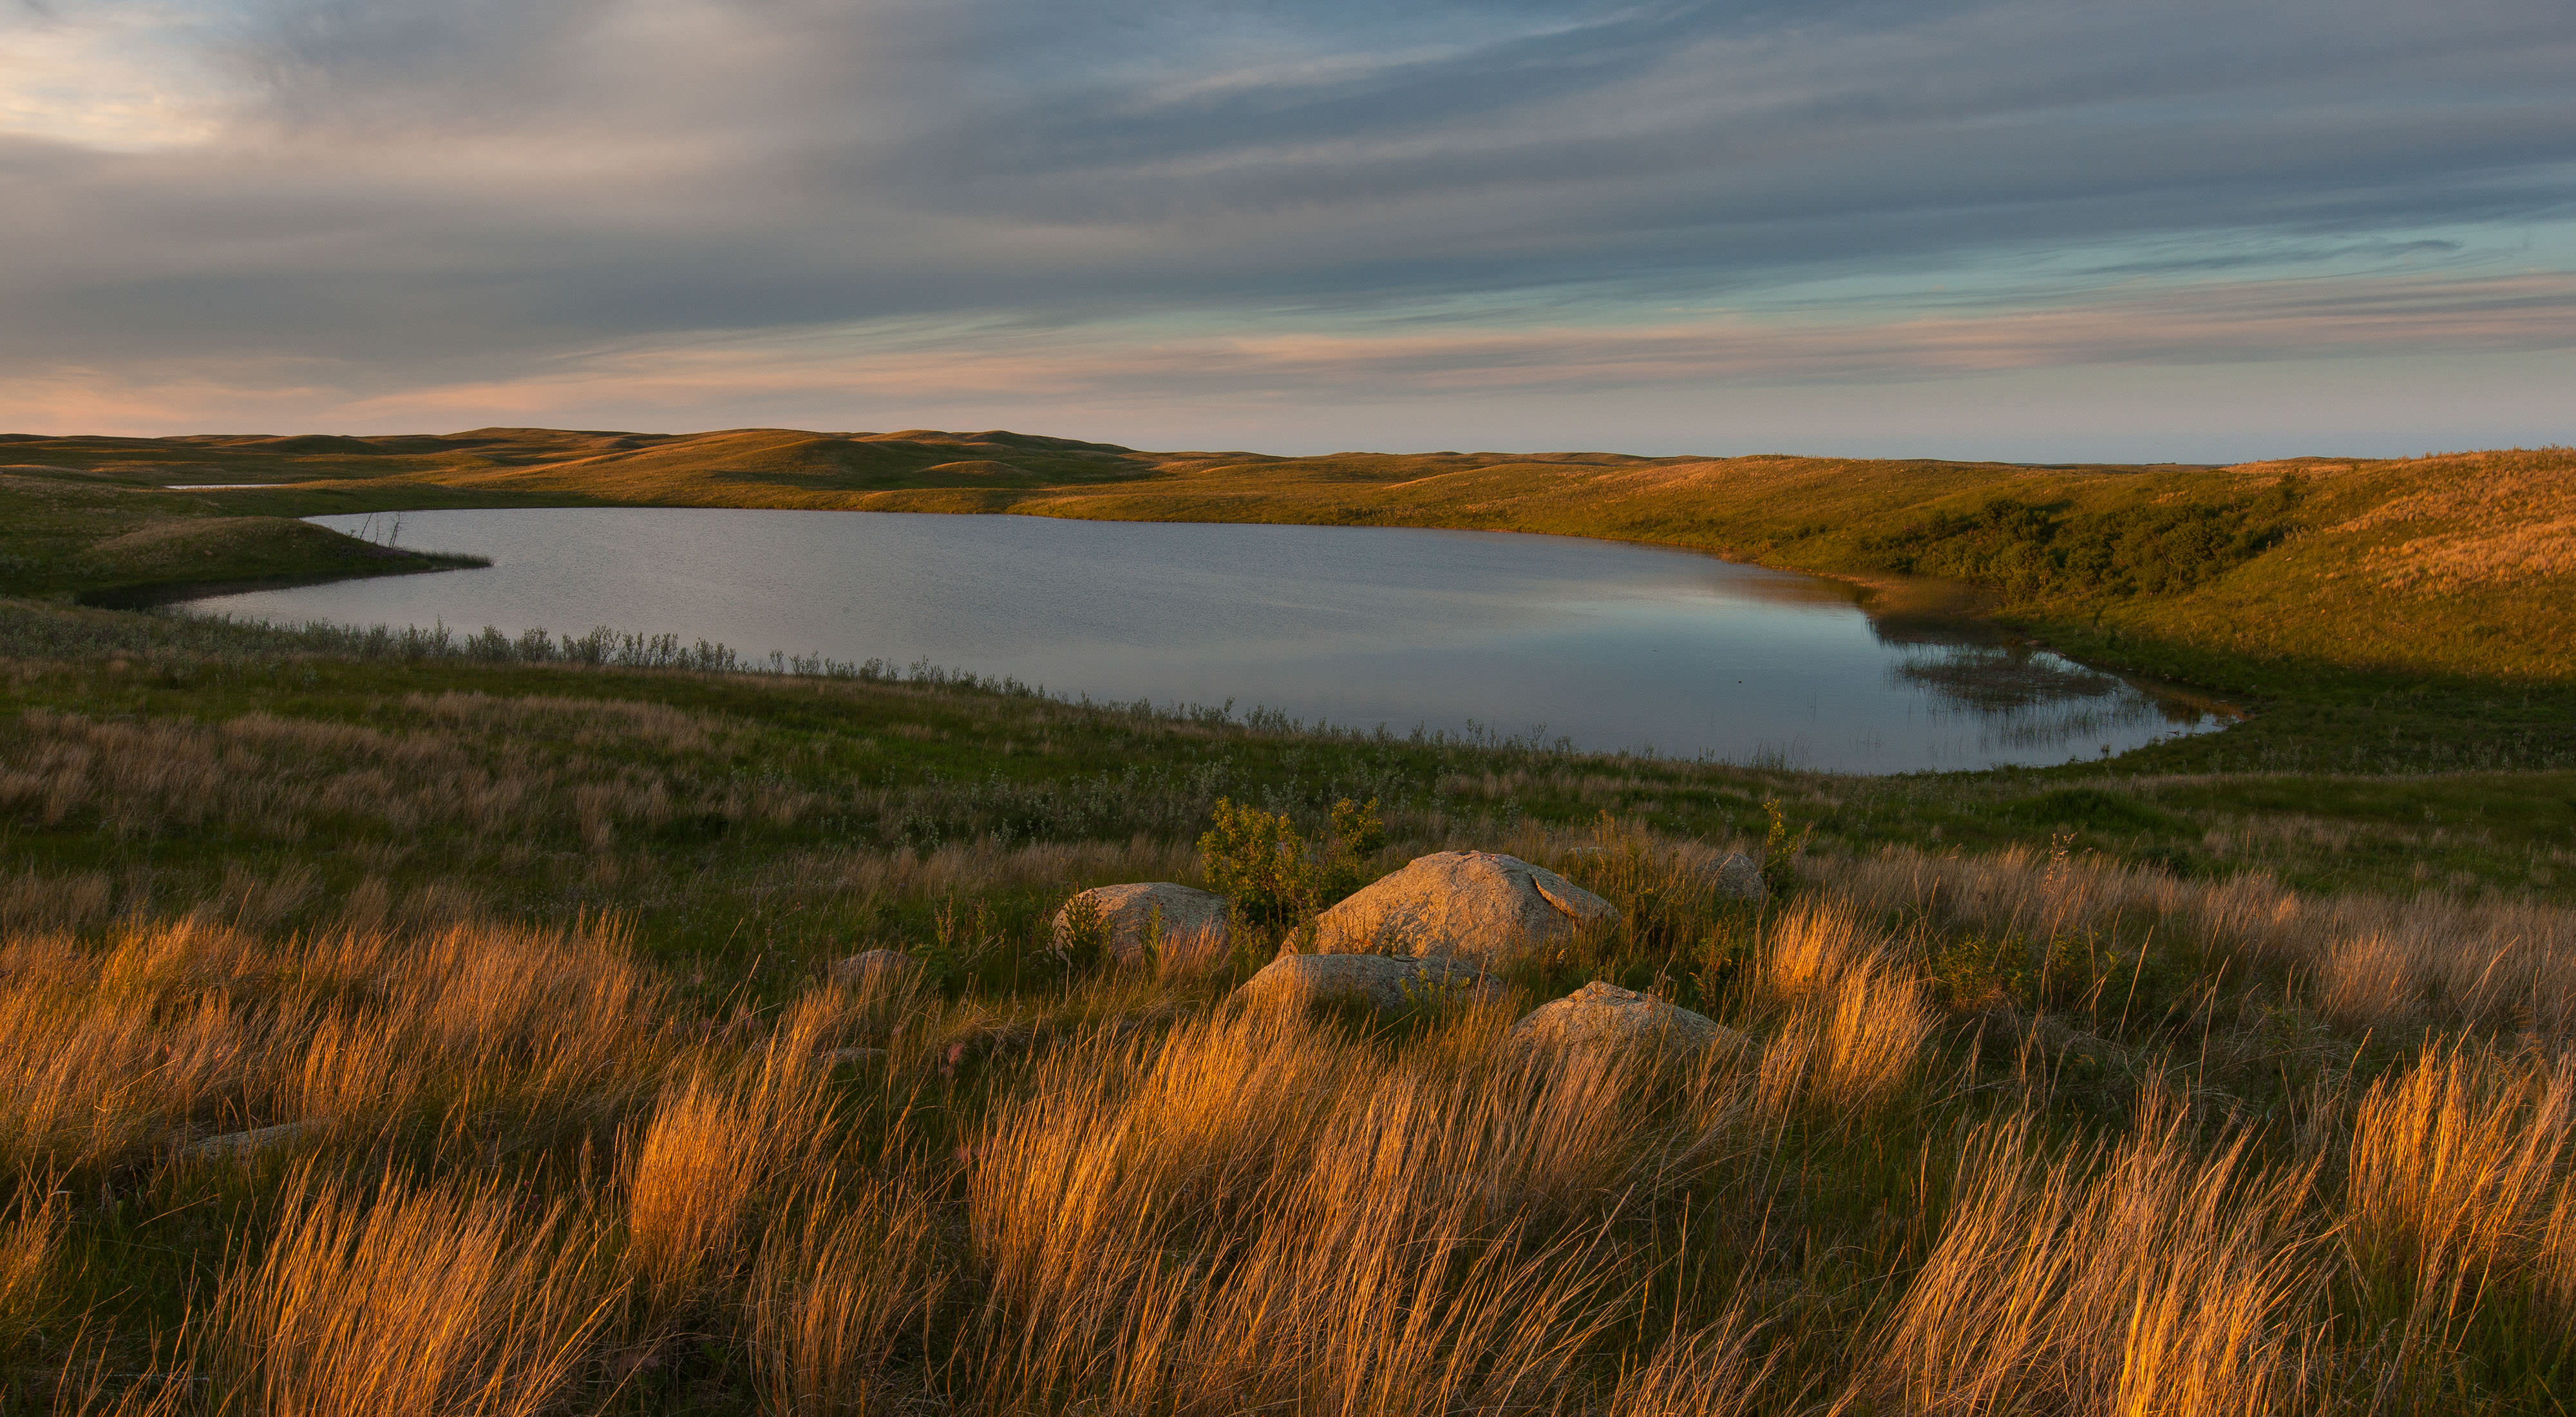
(1608, 645)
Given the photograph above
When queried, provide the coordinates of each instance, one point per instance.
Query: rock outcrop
(1191, 918)
(1473, 905)
(1382, 983)
(1603, 1015)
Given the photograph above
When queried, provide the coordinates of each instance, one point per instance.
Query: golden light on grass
(1854, 1020)
(2459, 1180)
(714, 1144)
(839, 1294)
(553, 1173)
(404, 1301)
(2154, 1279)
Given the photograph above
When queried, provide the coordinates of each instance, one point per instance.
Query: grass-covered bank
(152, 758)
(420, 1024)
(2377, 616)
(2068, 1092)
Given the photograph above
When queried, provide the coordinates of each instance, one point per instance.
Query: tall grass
(534, 1172)
(841, 1295)
(713, 1147)
(1854, 1021)
(407, 1302)
(31, 1230)
(2154, 1279)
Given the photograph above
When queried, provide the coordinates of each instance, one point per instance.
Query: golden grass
(712, 1147)
(1376, 1229)
(30, 1232)
(2376, 961)
(2458, 1178)
(167, 1032)
(2487, 518)
(838, 1294)
(401, 1301)
(1854, 1020)
(547, 1179)
(2159, 1279)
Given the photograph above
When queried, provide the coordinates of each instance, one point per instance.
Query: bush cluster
(2032, 550)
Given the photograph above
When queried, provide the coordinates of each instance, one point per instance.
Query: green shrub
(1272, 874)
(1780, 849)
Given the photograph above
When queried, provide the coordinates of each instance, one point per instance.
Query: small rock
(986, 1041)
(1383, 984)
(1738, 878)
(875, 969)
(1192, 918)
(240, 1145)
(1474, 905)
(1603, 1015)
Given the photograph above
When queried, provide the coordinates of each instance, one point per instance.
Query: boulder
(875, 970)
(1471, 905)
(1602, 1015)
(1382, 983)
(1194, 917)
(1737, 878)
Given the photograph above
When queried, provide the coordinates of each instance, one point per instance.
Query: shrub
(1780, 850)
(1262, 863)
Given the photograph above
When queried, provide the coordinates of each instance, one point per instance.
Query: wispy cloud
(353, 207)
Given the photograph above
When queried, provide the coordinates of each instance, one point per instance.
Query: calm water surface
(1610, 646)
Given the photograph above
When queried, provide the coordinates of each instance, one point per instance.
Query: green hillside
(2232, 576)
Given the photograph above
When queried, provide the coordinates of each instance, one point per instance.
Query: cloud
(382, 197)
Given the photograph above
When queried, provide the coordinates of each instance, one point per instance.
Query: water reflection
(1610, 646)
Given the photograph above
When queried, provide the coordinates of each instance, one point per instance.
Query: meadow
(447, 1026)
(446, 1022)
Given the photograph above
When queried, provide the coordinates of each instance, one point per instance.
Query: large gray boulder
(1384, 984)
(1603, 1015)
(1472, 905)
(1190, 917)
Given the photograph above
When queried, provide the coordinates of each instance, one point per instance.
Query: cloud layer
(311, 213)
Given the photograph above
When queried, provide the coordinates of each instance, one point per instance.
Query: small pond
(1610, 646)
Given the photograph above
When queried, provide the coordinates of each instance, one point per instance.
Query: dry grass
(2458, 1182)
(2159, 1279)
(1853, 1021)
(2376, 961)
(841, 1292)
(544, 1179)
(30, 1233)
(2485, 518)
(404, 1302)
(714, 1146)
(1375, 1244)
(167, 1032)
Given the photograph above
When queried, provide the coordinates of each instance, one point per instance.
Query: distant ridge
(2454, 563)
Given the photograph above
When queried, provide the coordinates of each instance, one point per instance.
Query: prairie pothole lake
(1609, 646)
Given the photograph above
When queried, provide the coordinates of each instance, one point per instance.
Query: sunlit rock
(1473, 905)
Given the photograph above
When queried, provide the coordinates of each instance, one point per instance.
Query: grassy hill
(2450, 565)
(419, 1023)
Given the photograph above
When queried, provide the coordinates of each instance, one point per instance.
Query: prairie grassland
(425, 1032)
(521, 1171)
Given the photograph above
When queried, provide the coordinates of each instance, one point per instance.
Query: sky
(2039, 230)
